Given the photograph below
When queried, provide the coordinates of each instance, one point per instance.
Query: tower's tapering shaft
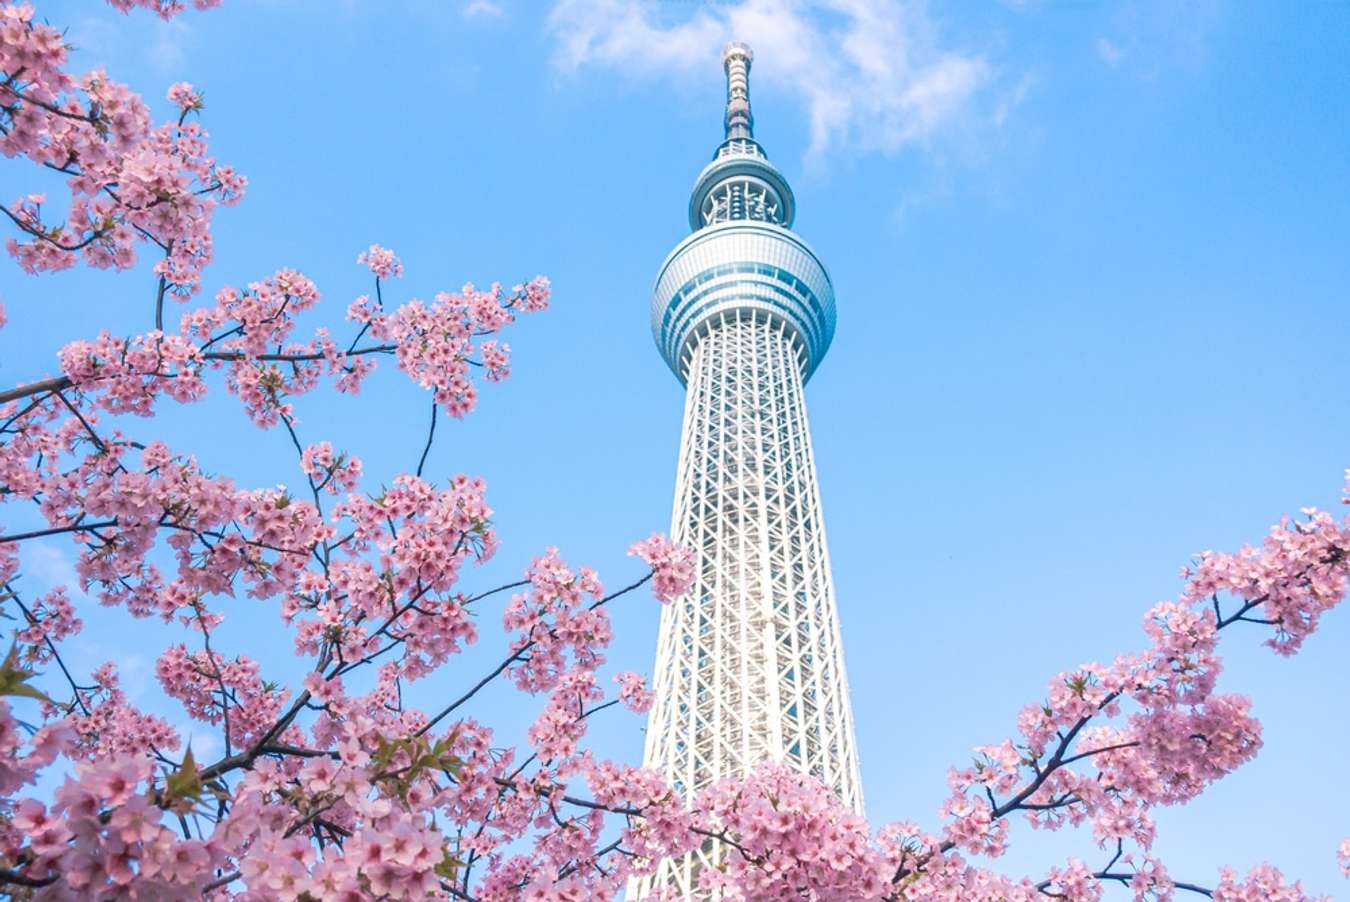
(749, 665)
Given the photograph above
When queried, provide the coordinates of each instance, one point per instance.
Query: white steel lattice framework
(749, 666)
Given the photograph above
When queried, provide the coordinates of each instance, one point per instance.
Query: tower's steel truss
(749, 665)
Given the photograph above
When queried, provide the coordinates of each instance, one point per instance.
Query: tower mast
(749, 666)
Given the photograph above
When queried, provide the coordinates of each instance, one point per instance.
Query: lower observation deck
(742, 265)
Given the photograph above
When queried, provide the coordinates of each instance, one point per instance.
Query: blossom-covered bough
(333, 788)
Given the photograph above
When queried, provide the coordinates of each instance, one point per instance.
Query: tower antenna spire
(736, 60)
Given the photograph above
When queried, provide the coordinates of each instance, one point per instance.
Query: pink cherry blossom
(130, 181)
(634, 693)
(381, 261)
(672, 566)
(1262, 884)
(166, 9)
(184, 96)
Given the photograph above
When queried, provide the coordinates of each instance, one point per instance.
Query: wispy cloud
(1147, 40)
(50, 568)
(168, 49)
(872, 74)
(482, 9)
(135, 672)
(205, 742)
(116, 41)
(1109, 53)
(1011, 99)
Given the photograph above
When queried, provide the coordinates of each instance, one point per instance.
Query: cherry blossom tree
(333, 788)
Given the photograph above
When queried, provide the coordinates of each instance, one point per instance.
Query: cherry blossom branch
(1127, 878)
(11, 83)
(379, 303)
(46, 236)
(161, 291)
(534, 756)
(215, 669)
(57, 383)
(219, 882)
(629, 811)
(431, 435)
(1060, 757)
(56, 531)
(265, 744)
(1106, 748)
(513, 658)
(75, 688)
(289, 423)
(503, 588)
(33, 388)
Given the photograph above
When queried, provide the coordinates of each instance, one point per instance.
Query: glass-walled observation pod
(742, 265)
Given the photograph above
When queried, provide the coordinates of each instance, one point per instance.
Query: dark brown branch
(56, 531)
(431, 435)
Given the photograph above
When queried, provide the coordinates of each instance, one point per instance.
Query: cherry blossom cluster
(248, 332)
(1078, 762)
(788, 834)
(103, 836)
(366, 775)
(382, 262)
(165, 9)
(1297, 573)
(672, 565)
(22, 757)
(551, 620)
(215, 691)
(437, 344)
(633, 692)
(329, 472)
(126, 375)
(105, 723)
(1262, 884)
(50, 620)
(130, 182)
(221, 537)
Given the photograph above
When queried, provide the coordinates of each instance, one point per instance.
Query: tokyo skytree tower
(749, 665)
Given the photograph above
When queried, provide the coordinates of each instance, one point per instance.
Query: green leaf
(14, 679)
(448, 865)
(186, 782)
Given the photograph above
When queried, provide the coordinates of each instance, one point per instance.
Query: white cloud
(50, 567)
(1150, 40)
(1011, 100)
(204, 740)
(477, 8)
(135, 673)
(1109, 53)
(870, 73)
(114, 41)
(168, 48)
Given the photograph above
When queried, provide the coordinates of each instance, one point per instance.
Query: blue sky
(1092, 272)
